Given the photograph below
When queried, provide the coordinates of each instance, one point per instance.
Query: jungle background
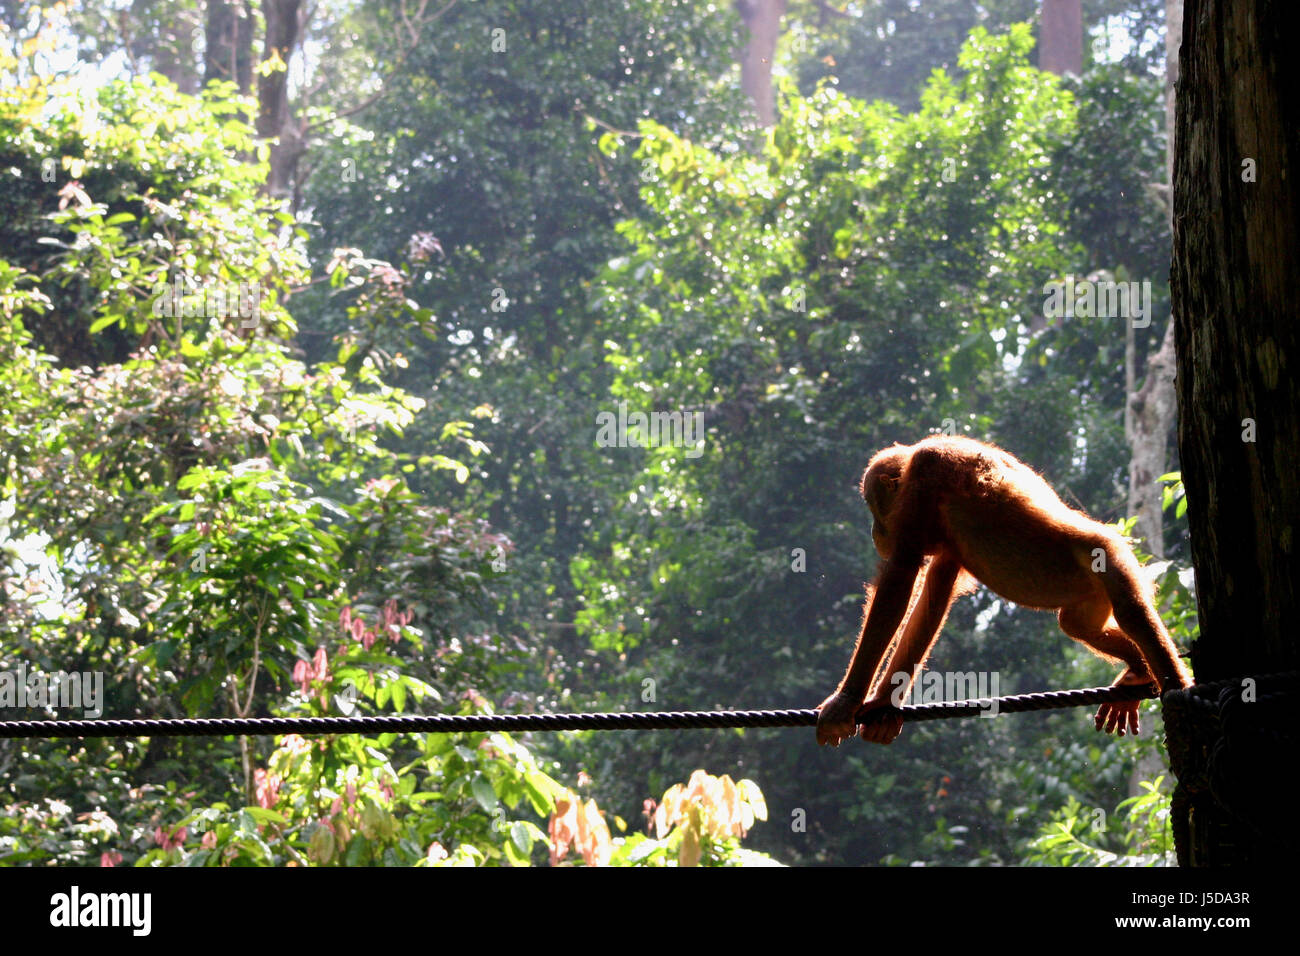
(309, 317)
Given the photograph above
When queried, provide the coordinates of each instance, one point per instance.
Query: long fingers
(1118, 718)
(882, 729)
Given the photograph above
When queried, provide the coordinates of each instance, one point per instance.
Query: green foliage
(886, 49)
(700, 823)
(342, 801)
(833, 291)
(480, 170)
(120, 198)
(188, 513)
(460, 800)
(1079, 836)
(1115, 155)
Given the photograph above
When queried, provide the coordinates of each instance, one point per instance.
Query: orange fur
(952, 511)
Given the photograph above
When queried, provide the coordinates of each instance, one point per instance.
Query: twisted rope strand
(448, 723)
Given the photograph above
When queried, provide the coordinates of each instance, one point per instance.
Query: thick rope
(1229, 746)
(445, 723)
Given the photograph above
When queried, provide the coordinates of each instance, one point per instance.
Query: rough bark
(1236, 285)
(1236, 289)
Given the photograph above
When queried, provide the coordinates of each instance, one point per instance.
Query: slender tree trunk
(1151, 411)
(1060, 37)
(1173, 40)
(275, 120)
(172, 50)
(762, 19)
(229, 40)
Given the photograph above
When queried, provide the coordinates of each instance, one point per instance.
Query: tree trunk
(762, 19)
(1236, 285)
(171, 48)
(1060, 37)
(229, 42)
(275, 120)
(1151, 411)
